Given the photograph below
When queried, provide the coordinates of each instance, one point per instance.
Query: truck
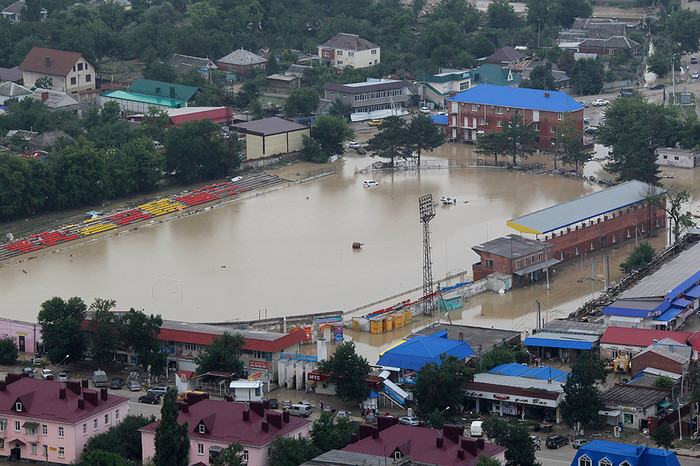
(477, 429)
(99, 379)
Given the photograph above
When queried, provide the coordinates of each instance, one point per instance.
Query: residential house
(599, 27)
(383, 95)
(440, 87)
(586, 24)
(26, 335)
(486, 108)
(126, 4)
(43, 420)
(561, 79)
(146, 93)
(666, 355)
(672, 157)
(184, 63)
(609, 46)
(633, 406)
(241, 62)
(56, 100)
(48, 139)
(624, 341)
(505, 56)
(446, 446)
(525, 258)
(10, 90)
(69, 72)
(14, 12)
(214, 425)
(13, 74)
(284, 83)
(272, 136)
(489, 73)
(604, 453)
(349, 50)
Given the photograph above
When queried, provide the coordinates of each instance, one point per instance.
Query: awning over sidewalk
(536, 267)
(553, 340)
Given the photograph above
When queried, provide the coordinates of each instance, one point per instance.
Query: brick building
(525, 258)
(486, 108)
(666, 355)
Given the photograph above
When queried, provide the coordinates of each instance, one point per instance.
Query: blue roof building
(419, 350)
(603, 453)
(541, 373)
(519, 97)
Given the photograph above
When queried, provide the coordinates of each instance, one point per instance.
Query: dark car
(657, 87)
(590, 130)
(274, 404)
(117, 383)
(556, 441)
(149, 398)
(361, 151)
(29, 371)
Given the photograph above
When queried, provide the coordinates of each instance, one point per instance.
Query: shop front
(514, 401)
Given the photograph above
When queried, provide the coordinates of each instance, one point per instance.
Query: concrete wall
(258, 147)
(19, 331)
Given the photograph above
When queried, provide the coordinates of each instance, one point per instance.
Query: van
(99, 379)
(626, 92)
(477, 429)
(300, 410)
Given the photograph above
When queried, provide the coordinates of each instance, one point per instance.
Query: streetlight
(63, 360)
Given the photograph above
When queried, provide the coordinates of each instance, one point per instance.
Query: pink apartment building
(44, 420)
(214, 425)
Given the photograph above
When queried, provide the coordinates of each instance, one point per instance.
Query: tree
(301, 102)
(683, 28)
(123, 439)
(104, 458)
(568, 10)
(80, 173)
(223, 354)
(659, 64)
(663, 436)
(288, 451)
(518, 138)
(487, 461)
(491, 144)
(582, 401)
(44, 83)
(232, 455)
(154, 124)
(8, 351)
(311, 151)
(540, 78)
(641, 256)
(439, 387)
(391, 141)
(330, 132)
(423, 134)
(497, 356)
(139, 332)
(348, 371)
(672, 203)
(569, 144)
(61, 323)
(327, 434)
(663, 381)
(500, 14)
(104, 331)
(436, 419)
(340, 109)
(587, 76)
(172, 443)
(516, 438)
(196, 151)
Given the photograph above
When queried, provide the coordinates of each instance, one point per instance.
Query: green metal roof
(162, 89)
(494, 74)
(147, 99)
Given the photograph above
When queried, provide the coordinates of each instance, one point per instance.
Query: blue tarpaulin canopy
(562, 343)
(680, 302)
(422, 349)
(693, 292)
(670, 314)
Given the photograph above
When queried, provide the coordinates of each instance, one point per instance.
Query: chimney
(461, 336)
(546, 94)
(183, 407)
(469, 446)
(74, 386)
(12, 377)
(375, 433)
(62, 393)
(246, 415)
(266, 404)
(265, 426)
(366, 430)
(384, 422)
(257, 407)
(3, 386)
(91, 397)
(353, 437)
(84, 383)
(452, 432)
(172, 92)
(47, 62)
(81, 403)
(103, 394)
(285, 417)
(460, 454)
(275, 419)
(480, 444)
(439, 441)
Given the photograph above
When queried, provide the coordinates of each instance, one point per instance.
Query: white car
(353, 145)
(695, 75)
(409, 421)
(369, 183)
(599, 102)
(46, 373)
(424, 110)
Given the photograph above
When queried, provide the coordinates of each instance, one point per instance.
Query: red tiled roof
(60, 61)
(642, 337)
(41, 400)
(225, 422)
(251, 344)
(694, 340)
(420, 443)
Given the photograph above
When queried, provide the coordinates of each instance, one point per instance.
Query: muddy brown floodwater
(289, 251)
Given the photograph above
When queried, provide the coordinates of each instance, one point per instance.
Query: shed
(245, 390)
(272, 136)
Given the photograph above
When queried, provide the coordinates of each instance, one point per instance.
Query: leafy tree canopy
(582, 401)
(439, 387)
(172, 443)
(124, 439)
(222, 355)
(663, 436)
(641, 256)
(327, 434)
(8, 351)
(289, 451)
(61, 323)
(301, 102)
(139, 332)
(330, 132)
(348, 371)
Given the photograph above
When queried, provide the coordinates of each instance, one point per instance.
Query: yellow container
(407, 317)
(398, 320)
(376, 326)
(388, 324)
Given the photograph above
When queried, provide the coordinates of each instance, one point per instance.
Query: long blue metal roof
(541, 373)
(518, 97)
(422, 349)
(693, 292)
(563, 343)
(617, 453)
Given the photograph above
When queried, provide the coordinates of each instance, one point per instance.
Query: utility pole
(546, 265)
(607, 272)
(673, 77)
(539, 313)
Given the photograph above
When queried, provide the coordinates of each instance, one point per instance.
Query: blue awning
(693, 292)
(551, 343)
(680, 302)
(670, 314)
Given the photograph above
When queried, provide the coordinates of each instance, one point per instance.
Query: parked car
(657, 87)
(556, 441)
(599, 102)
(299, 410)
(46, 374)
(328, 409)
(63, 377)
(584, 103)
(361, 151)
(374, 122)
(693, 60)
(117, 383)
(274, 404)
(586, 119)
(160, 391)
(305, 403)
(579, 442)
(149, 398)
(29, 371)
(695, 75)
(409, 421)
(286, 404)
(591, 130)
(353, 144)
(369, 183)
(424, 110)
(342, 415)
(134, 386)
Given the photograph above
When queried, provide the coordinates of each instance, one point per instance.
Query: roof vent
(546, 94)
(81, 403)
(47, 61)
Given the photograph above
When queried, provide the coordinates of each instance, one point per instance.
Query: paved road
(565, 454)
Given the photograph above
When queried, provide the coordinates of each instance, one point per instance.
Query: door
(16, 452)
(603, 242)
(21, 344)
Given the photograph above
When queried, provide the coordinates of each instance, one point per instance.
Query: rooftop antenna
(427, 212)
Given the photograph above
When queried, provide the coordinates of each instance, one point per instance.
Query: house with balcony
(349, 50)
(49, 421)
(439, 87)
(486, 108)
(214, 425)
(68, 72)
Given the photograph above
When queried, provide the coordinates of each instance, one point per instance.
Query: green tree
(80, 175)
(330, 132)
(223, 354)
(137, 166)
(123, 439)
(44, 83)
(348, 371)
(659, 64)
(487, 461)
(569, 144)
(25, 185)
(519, 138)
(61, 323)
(423, 134)
(289, 451)
(641, 256)
(497, 356)
(566, 61)
(340, 109)
(540, 78)
(104, 458)
(566, 11)
(673, 203)
(500, 14)
(587, 76)
(436, 419)
(311, 151)
(326, 434)
(491, 144)
(154, 124)
(582, 401)
(392, 140)
(172, 443)
(301, 102)
(104, 331)
(139, 332)
(232, 455)
(663, 381)
(439, 387)
(683, 28)
(516, 438)
(8, 351)
(159, 70)
(663, 436)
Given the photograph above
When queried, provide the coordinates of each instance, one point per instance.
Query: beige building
(272, 136)
(69, 72)
(349, 50)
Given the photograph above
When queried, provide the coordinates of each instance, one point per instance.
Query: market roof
(520, 370)
(371, 85)
(269, 126)
(520, 382)
(619, 453)
(345, 41)
(163, 89)
(50, 61)
(419, 350)
(242, 57)
(481, 339)
(512, 246)
(575, 327)
(561, 340)
(629, 395)
(502, 386)
(586, 207)
(518, 97)
(640, 336)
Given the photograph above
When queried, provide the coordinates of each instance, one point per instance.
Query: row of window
(372, 108)
(378, 94)
(586, 461)
(74, 80)
(340, 54)
(528, 260)
(80, 67)
(45, 428)
(35, 449)
(200, 451)
(499, 110)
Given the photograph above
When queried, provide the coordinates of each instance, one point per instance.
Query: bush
(641, 256)
(8, 351)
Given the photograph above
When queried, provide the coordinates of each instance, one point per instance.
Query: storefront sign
(298, 357)
(328, 320)
(514, 399)
(255, 376)
(501, 397)
(259, 364)
(338, 333)
(317, 377)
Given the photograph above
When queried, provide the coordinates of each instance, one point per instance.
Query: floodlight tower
(427, 212)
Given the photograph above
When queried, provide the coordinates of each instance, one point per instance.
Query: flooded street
(289, 251)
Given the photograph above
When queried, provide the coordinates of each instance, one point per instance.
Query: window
(625, 463)
(340, 62)
(245, 455)
(675, 158)
(475, 108)
(483, 122)
(35, 449)
(397, 455)
(592, 245)
(340, 53)
(463, 87)
(499, 110)
(517, 264)
(80, 67)
(584, 461)
(560, 116)
(643, 228)
(577, 251)
(18, 406)
(499, 124)
(61, 432)
(552, 129)
(527, 261)
(106, 419)
(604, 462)
(44, 429)
(374, 51)
(17, 426)
(3, 425)
(351, 54)
(657, 223)
(84, 429)
(2, 443)
(88, 78)
(539, 257)
(532, 259)
(73, 81)
(615, 353)
(116, 414)
(46, 451)
(614, 238)
(489, 263)
(536, 126)
(628, 418)
(202, 429)
(628, 234)
(95, 424)
(200, 449)
(61, 452)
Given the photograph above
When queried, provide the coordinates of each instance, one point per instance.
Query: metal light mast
(427, 212)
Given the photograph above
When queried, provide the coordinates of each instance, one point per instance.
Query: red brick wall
(653, 360)
(502, 264)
